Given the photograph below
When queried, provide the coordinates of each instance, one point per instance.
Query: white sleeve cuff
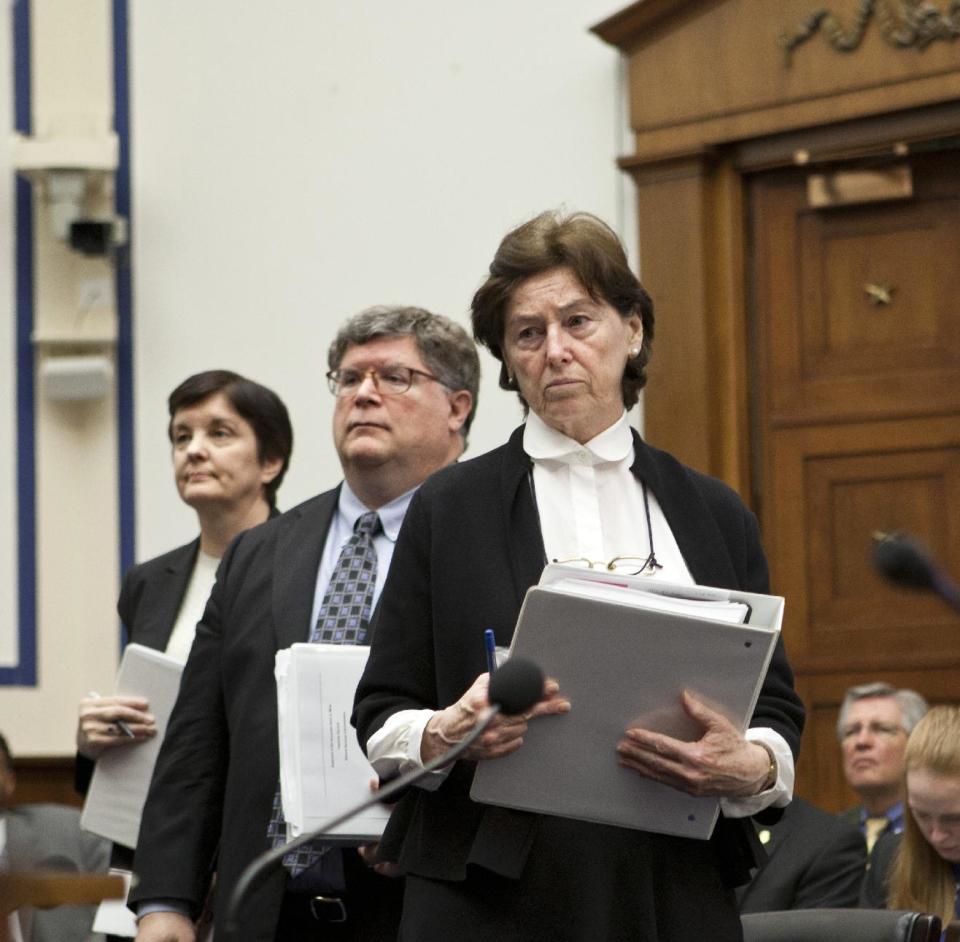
(394, 749)
(780, 793)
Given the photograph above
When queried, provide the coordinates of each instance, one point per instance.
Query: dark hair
(5, 753)
(446, 348)
(261, 407)
(591, 250)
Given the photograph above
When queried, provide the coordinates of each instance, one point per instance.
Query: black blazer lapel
(520, 518)
(691, 521)
(295, 563)
(158, 609)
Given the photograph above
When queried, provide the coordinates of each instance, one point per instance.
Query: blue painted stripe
(24, 673)
(124, 292)
(21, 65)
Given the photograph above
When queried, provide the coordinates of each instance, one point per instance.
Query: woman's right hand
(504, 735)
(97, 728)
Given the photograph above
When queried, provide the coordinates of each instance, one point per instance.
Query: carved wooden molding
(904, 24)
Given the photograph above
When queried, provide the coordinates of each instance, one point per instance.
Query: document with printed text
(323, 771)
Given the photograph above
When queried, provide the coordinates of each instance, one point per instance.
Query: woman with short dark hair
(231, 440)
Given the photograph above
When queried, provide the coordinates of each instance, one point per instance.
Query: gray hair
(912, 705)
(446, 348)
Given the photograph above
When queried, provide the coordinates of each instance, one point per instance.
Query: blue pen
(490, 642)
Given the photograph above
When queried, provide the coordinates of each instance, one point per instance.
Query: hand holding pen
(504, 735)
(105, 722)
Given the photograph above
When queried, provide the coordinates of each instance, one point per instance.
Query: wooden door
(854, 314)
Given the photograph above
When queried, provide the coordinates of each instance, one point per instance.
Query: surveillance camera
(91, 237)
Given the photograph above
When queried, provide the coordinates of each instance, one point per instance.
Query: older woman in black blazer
(572, 328)
(231, 440)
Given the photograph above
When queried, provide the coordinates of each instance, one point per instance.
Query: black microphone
(902, 560)
(514, 687)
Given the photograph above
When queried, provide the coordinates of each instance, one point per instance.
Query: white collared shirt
(590, 504)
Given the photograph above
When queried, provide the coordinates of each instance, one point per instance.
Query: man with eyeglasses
(405, 384)
(874, 723)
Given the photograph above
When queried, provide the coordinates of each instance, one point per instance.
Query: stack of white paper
(726, 610)
(113, 917)
(323, 771)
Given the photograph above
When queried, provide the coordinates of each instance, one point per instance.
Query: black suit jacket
(218, 768)
(469, 549)
(876, 884)
(150, 597)
(814, 860)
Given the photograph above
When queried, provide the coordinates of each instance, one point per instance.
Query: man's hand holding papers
(720, 763)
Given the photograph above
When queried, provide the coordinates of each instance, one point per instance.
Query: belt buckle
(328, 909)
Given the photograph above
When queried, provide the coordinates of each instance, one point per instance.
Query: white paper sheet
(122, 774)
(113, 917)
(323, 771)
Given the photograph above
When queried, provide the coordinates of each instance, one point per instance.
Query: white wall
(294, 163)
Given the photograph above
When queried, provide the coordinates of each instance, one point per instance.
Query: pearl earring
(634, 352)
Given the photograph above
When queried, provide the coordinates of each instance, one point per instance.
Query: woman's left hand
(720, 763)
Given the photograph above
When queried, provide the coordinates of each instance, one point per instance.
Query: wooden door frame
(712, 106)
(694, 258)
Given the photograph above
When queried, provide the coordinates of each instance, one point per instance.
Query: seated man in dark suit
(46, 837)
(814, 860)
(874, 723)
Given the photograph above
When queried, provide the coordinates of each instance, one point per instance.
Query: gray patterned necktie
(345, 610)
(343, 619)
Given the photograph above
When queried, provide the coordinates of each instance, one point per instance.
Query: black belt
(328, 908)
(332, 910)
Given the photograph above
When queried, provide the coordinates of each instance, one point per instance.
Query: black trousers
(582, 883)
(369, 910)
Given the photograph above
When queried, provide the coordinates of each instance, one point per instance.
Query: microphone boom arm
(514, 688)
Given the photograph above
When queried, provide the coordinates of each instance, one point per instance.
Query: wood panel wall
(771, 369)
